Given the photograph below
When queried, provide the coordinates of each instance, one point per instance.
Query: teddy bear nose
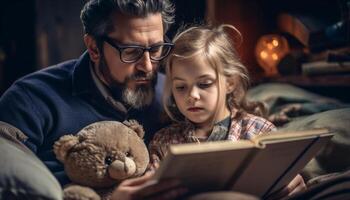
(121, 170)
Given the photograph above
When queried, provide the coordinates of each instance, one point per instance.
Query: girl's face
(195, 90)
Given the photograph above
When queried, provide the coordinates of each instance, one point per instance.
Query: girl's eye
(205, 85)
(180, 88)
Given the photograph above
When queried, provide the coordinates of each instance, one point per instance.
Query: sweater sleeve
(18, 109)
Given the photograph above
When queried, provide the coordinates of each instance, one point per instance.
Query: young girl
(205, 93)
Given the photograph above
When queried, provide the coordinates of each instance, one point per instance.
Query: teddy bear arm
(135, 126)
(78, 192)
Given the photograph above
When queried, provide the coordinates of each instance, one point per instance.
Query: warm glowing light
(270, 46)
(275, 42)
(274, 56)
(269, 50)
(263, 54)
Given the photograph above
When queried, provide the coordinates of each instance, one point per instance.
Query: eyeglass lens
(156, 52)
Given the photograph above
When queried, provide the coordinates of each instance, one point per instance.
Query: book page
(300, 163)
(288, 136)
(257, 168)
(203, 170)
(277, 164)
(267, 166)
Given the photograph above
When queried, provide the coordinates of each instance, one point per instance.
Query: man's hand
(296, 185)
(145, 188)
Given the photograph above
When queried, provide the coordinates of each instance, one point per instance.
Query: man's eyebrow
(159, 42)
(135, 43)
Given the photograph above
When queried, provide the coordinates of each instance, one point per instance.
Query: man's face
(136, 79)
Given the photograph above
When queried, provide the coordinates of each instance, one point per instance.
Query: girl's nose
(193, 95)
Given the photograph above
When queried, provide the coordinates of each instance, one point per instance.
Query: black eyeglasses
(132, 53)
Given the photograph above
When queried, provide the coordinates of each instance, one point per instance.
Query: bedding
(293, 108)
(23, 176)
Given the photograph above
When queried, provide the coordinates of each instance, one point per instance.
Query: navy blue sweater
(63, 99)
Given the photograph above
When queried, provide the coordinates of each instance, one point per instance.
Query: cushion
(286, 102)
(292, 108)
(334, 157)
(22, 174)
(334, 187)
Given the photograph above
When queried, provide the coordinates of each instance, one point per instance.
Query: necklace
(199, 139)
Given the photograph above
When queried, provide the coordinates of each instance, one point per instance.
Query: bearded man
(115, 79)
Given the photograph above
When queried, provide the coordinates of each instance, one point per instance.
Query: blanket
(292, 108)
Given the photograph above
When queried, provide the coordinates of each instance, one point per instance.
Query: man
(116, 79)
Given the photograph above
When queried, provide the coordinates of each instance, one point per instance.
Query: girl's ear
(231, 84)
(91, 46)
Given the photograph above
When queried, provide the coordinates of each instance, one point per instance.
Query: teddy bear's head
(103, 153)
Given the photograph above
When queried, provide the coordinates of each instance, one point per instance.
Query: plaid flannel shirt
(245, 127)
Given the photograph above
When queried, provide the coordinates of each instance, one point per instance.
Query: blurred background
(305, 43)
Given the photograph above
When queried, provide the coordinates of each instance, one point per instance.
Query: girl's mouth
(194, 109)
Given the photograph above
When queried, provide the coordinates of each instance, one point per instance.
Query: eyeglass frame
(120, 48)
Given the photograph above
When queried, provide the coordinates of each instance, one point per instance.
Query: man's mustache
(142, 76)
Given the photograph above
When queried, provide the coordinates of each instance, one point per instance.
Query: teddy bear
(100, 156)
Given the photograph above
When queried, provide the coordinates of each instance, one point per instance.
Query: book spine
(323, 67)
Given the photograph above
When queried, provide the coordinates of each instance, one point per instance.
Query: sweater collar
(82, 80)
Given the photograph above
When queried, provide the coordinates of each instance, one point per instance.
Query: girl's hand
(296, 185)
(145, 188)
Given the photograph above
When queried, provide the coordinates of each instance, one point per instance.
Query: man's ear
(91, 46)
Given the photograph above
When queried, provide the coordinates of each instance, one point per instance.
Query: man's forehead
(133, 29)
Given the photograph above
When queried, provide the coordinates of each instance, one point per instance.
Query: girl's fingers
(159, 187)
(296, 185)
(169, 195)
(138, 181)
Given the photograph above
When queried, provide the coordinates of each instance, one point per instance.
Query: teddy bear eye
(108, 160)
(128, 154)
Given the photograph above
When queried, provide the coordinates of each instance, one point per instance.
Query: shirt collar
(85, 81)
(105, 92)
(220, 130)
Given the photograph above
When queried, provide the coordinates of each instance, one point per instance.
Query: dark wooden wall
(59, 33)
(38, 33)
(17, 40)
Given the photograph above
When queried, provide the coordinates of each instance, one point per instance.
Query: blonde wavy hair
(214, 46)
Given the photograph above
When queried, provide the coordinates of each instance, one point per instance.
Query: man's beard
(141, 96)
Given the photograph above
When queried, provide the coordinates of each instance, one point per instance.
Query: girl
(205, 94)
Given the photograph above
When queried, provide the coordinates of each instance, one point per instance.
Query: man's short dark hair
(96, 14)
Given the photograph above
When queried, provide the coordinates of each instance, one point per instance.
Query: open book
(259, 166)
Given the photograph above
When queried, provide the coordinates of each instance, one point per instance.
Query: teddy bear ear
(134, 125)
(63, 145)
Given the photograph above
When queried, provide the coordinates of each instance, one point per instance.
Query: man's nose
(145, 63)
